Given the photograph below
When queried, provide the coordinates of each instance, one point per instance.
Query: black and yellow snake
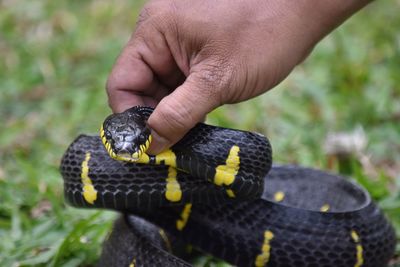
(215, 189)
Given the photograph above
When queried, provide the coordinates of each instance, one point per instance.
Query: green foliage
(56, 56)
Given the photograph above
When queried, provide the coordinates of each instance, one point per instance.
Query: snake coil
(223, 197)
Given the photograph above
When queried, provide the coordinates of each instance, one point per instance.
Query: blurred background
(340, 110)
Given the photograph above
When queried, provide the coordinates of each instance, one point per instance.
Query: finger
(124, 100)
(178, 112)
(152, 44)
(145, 68)
(130, 80)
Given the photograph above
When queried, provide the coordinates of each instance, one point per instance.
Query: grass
(55, 58)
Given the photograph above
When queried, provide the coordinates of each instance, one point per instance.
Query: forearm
(189, 57)
(301, 24)
(323, 16)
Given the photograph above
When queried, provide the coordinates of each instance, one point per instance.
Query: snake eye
(108, 134)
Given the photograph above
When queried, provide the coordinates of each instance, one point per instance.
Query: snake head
(126, 135)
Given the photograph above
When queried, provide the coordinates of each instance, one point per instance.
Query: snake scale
(217, 190)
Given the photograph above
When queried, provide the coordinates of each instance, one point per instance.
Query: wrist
(323, 16)
(306, 22)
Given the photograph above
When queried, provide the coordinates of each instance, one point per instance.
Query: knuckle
(110, 98)
(111, 88)
(158, 12)
(148, 11)
(143, 16)
(215, 78)
(110, 84)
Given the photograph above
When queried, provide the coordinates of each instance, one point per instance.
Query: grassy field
(55, 58)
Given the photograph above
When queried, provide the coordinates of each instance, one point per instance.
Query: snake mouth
(127, 151)
(125, 156)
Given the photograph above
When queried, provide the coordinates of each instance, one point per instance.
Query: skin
(187, 57)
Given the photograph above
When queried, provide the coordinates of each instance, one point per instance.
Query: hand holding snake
(186, 58)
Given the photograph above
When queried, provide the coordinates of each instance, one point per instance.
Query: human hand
(188, 57)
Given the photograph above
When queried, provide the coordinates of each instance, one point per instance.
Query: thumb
(179, 111)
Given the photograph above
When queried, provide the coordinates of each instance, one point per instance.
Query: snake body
(223, 197)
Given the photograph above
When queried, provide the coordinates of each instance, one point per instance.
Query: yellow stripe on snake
(216, 190)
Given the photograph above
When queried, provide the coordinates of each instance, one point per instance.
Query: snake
(217, 190)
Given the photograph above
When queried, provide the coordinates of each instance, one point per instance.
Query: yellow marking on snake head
(117, 157)
(89, 192)
(359, 248)
(173, 190)
(147, 145)
(133, 263)
(166, 157)
(230, 193)
(101, 131)
(325, 208)
(135, 155)
(144, 158)
(143, 147)
(279, 196)
(138, 157)
(225, 174)
(263, 258)
(181, 222)
(104, 141)
(106, 144)
(148, 142)
(113, 155)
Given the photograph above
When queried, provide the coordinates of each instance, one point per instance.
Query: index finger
(132, 82)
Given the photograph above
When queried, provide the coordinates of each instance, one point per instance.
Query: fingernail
(158, 144)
